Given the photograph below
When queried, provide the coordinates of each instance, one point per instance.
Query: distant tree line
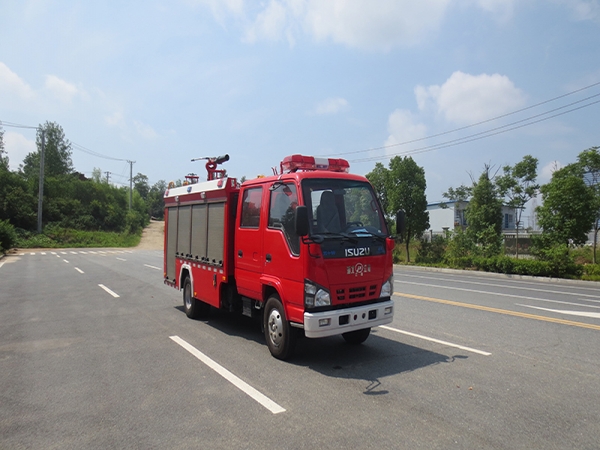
(570, 210)
(70, 200)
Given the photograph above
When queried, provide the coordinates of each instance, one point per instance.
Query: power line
(482, 135)
(93, 153)
(383, 147)
(73, 144)
(16, 125)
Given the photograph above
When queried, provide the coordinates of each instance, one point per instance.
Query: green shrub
(8, 235)
(591, 272)
(460, 250)
(431, 252)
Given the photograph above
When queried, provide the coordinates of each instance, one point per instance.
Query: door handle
(268, 257)
(240, 253)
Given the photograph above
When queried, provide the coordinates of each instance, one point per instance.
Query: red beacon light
(294, 163)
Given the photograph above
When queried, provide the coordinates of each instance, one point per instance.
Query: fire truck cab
(306, 250)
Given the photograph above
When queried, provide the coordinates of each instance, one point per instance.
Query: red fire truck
(306, 250)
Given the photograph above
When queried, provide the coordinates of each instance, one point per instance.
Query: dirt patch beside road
(152, 236)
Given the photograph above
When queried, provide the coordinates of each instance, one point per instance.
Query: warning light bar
(294, 163)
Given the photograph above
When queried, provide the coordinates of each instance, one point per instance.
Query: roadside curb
(498, 275)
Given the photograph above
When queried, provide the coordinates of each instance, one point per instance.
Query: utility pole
(41, 188)
(107, 176)
(131, 163)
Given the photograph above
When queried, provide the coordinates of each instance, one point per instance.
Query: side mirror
(400, 224)
(301, 220)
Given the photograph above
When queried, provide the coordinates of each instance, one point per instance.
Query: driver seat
(328, 219)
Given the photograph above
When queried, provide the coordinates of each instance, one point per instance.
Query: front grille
(356, 292)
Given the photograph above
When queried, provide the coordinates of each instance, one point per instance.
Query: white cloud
(144, 130)
(363, 24)
(403, 128)
(331, 106)
(17, 147)
(583, 9)
(116, 119)
(11, 84)
(380, 26)
(221, 8)
(63, 90)
(465, 98)
(502, 9)
(547, 171)
(269, 24)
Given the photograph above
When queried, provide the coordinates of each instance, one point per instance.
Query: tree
(140, 184)
(568, 210)
(589, 163)
(3, 155)
(402, 187)
(518, 184)
(57, 153)
(156, 200)
(378, 178)
(484, 215)
(97, 175)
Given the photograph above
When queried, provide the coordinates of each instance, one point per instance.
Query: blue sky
(162, 82)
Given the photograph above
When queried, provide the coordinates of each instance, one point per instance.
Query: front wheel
(280, 336)
(357, 337)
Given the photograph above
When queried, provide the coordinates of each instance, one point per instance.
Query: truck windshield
(343, 207)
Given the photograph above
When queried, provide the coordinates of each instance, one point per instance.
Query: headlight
(315, 295)
(388, 287)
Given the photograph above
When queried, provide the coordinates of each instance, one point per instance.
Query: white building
(449, 216)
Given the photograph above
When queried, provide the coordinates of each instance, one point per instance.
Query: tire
(280, 336)
(357, 337)
(194, 308)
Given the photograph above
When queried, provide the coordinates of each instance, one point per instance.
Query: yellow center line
(501, 311)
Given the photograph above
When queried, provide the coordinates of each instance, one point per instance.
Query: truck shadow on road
(377, 357)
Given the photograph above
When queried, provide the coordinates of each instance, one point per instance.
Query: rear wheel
(280, 336)
(357, 337)
(194, 308)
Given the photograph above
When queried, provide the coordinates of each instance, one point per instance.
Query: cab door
(249, 259)
(281, 246)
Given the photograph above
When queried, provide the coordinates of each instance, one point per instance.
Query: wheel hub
(275, 327)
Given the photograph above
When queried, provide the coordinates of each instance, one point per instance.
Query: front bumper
(348, 319)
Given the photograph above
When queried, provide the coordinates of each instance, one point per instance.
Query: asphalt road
(95, 352)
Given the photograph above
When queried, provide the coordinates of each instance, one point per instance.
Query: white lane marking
(121, 259)
(58, 256)
(63, 253)
(237, 382)
(1, 264)
(571, 313)
(152, 267)
(79, 270)
(43, 253)
(66, 261)
(93, 252)
(463, 279)
(114, 294)
(437, 341)
(32, 253)
(83, 253)
(73, 253)
(570, 303)
(54, 253)
(500, 294)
